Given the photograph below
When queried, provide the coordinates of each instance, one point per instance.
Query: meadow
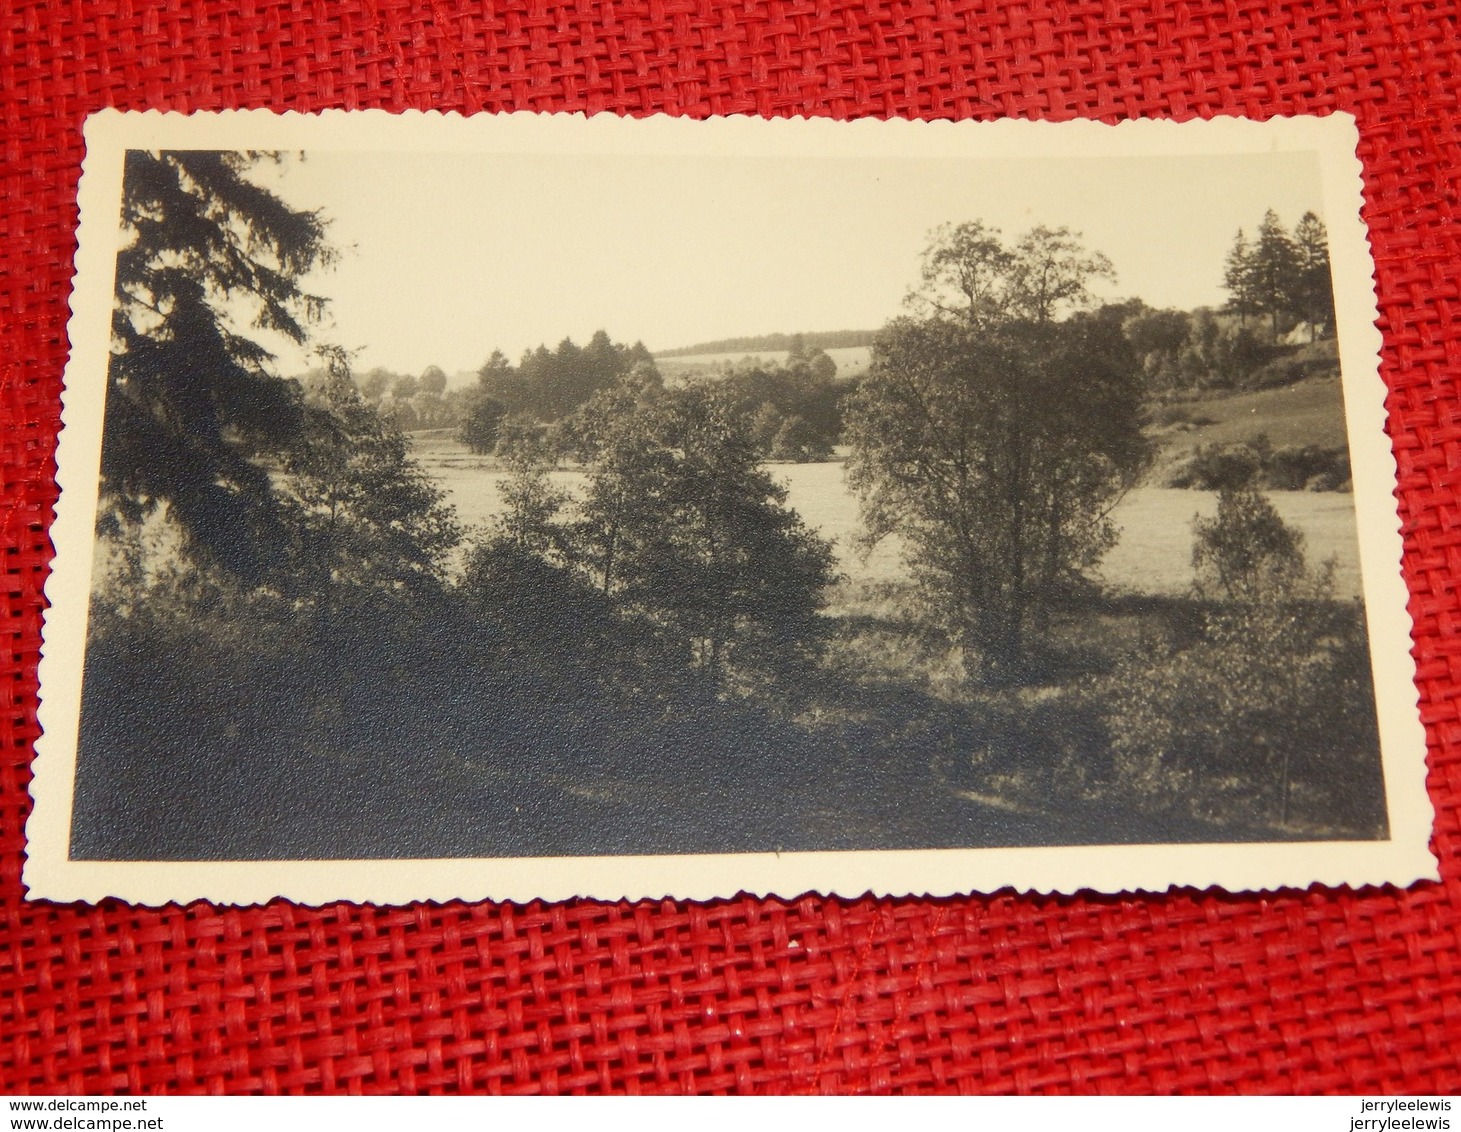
(1152, 558)
(1305, 415)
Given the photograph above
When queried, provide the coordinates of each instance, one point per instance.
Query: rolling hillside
(1307, 413)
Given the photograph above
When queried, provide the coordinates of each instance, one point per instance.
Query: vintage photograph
(707, 495)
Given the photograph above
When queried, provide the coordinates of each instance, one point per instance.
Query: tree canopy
(483, 424)
(994, 437)
(1282, 274)
(680, 530)
(682, 526)
(547, 384)
(1246, 552)
(211, 260)
(971, 275)
(794, 410)
(366, 517)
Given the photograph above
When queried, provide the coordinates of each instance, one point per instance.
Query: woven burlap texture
(1326, 990)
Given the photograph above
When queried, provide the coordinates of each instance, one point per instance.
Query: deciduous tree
(1276, 689)
(1246, 552)
(482, 425)
(681, 526)
(995, 438)
(368, 517)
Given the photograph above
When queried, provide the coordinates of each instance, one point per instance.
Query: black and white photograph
(453, 496)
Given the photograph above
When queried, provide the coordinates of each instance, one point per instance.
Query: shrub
(1216, 467)
(1272, 704)
(797, 442)
(545, 618)
(479, 429)
(1308, 468)
(1257, 466)
(1248, 554)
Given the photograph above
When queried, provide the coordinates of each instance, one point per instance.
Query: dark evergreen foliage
(549, 384)
(1282, 275)
(194, 409)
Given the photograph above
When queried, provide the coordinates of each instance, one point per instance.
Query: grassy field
(1308, 412)
(1154, 556)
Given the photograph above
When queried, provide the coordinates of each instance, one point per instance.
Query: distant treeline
(1276, 329)
(551, 399)
(820, 340)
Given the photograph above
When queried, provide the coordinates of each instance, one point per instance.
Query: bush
(1274, 695)
(797, 442)
(1286, 365)
(548, 620)
(521, 438)
(1218, 468)
(480, 428)
(1271, 707)
(1248, 554)
(1257, 466)
(1308, 468)
(1220, 352)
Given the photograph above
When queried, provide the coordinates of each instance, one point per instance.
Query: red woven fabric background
(1325, 990)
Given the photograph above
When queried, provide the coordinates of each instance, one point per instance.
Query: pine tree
(194, 407)
(1314, 293)
(1238, 278)
(1275, 270)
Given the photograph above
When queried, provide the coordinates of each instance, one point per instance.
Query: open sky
(448, 256)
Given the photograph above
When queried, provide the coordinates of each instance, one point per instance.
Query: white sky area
(449, 256)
